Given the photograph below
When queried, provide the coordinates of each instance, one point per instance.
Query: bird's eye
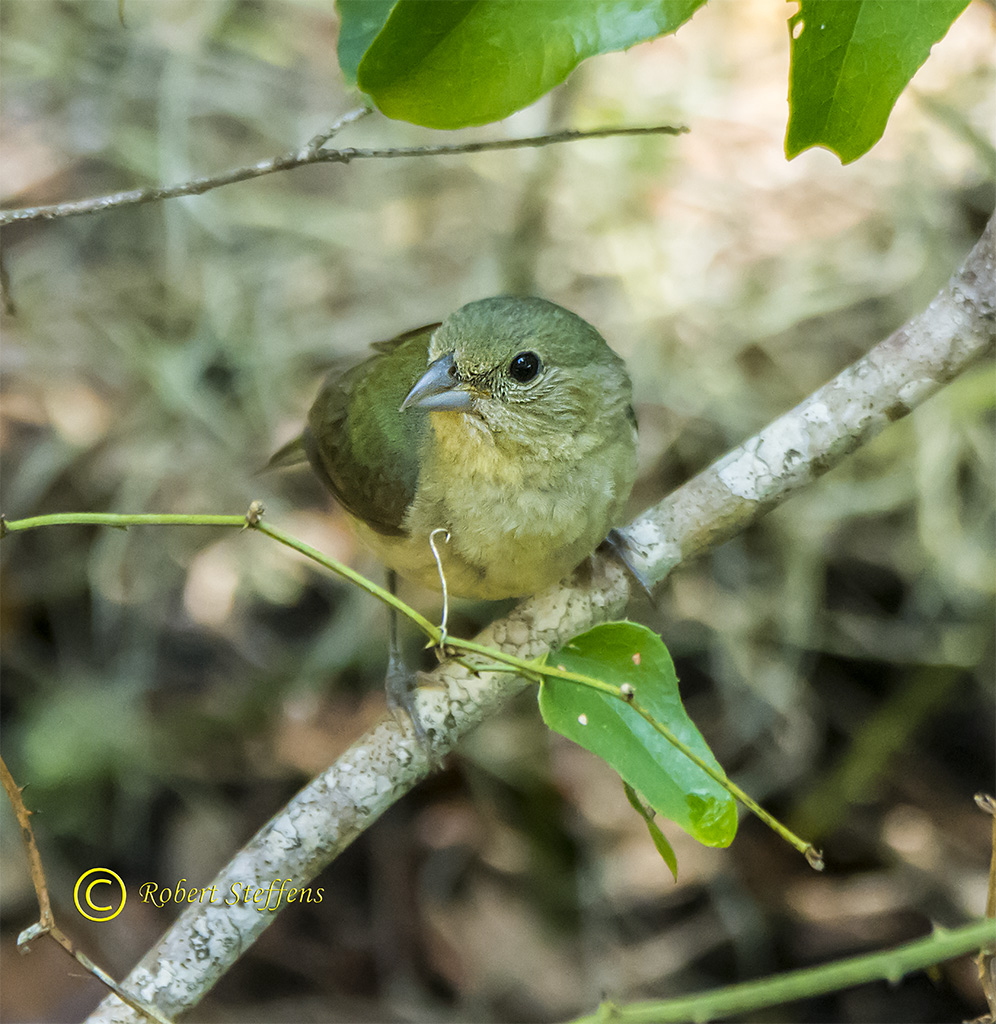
(524, 367)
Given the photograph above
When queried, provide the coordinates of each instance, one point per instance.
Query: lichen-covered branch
(899, 373)
(956, 329)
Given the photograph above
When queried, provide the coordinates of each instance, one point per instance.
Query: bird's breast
(519, 517)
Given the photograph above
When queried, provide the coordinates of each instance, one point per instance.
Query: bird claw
(401, 684)
(616, 541)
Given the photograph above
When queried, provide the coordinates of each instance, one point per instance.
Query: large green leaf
(624, 652)
(850, 61)
(452, 63)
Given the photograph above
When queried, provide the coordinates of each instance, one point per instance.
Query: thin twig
(312, 153)
(319, 140)
(987, 959)
(46, 919)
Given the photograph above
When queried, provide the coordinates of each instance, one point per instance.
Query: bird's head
(526, 369)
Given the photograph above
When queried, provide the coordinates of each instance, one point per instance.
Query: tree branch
(899, 373)
(313, 153)
(956, 329)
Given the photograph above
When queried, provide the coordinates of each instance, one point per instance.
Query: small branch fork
(46, 919)
(314, 152)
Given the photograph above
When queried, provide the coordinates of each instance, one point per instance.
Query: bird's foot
(401, 684)
(616, 540)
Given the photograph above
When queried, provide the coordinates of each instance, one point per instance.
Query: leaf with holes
(676, 788)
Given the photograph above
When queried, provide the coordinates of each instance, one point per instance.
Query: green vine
(534, 670)
(734, 1000)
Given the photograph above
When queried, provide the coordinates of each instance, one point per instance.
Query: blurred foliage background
(166, 690)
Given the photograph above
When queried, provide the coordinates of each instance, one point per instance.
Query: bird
(509, 426)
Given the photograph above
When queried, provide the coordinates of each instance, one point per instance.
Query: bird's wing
(360, 445)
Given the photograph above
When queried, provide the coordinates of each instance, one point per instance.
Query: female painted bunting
(510, 425)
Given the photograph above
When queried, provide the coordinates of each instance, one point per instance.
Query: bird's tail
(291, 454)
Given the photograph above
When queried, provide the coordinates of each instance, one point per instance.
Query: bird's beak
(439, 388)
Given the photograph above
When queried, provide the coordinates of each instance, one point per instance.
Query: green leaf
(453, 63)
(664, 848)
(676, 788)
(359, 23)
(850, 62)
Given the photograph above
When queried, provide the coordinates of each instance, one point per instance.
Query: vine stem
(886, 965)
(118, 520)
(251, 520)
(534, 670)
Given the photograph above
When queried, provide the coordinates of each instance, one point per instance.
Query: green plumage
(364, 451)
